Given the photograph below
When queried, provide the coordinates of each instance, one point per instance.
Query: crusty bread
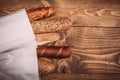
(54, 51)
(45, 38)
(45, 67)
(40, 13)
(51, 25)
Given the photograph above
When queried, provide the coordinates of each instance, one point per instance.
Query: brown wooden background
(94, 36)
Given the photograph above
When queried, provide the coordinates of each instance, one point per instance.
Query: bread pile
(44, 26)
(47, 29)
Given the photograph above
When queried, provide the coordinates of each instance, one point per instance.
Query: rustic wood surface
(82, 77)
(94, 36)
(103, 13)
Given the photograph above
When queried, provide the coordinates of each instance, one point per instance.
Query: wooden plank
(82, 77)
(85, 3)
(94, 37)
(100, 13)
(96, 50)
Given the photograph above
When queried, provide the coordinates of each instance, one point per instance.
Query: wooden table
(94, 36)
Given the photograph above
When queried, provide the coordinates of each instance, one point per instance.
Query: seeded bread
(51, 25)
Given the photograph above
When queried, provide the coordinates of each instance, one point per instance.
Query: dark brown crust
(40, 13)
(53, 51)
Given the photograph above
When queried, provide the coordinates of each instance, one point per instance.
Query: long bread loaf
(45, 38)
(40, 13)
(54, 51)
(51, 25)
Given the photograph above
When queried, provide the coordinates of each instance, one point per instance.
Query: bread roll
(40, 13)
(51, 25)
(45, 67)
(45, 38)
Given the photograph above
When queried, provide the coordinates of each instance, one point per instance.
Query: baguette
(53, 51)
(45, 38)
(51, 25)
(40, 13)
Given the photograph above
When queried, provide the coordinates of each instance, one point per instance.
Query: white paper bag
(18, 58)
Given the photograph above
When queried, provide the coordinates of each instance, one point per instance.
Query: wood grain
(100, 13)
(82, 77)
(95, 34)
(98, 49)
